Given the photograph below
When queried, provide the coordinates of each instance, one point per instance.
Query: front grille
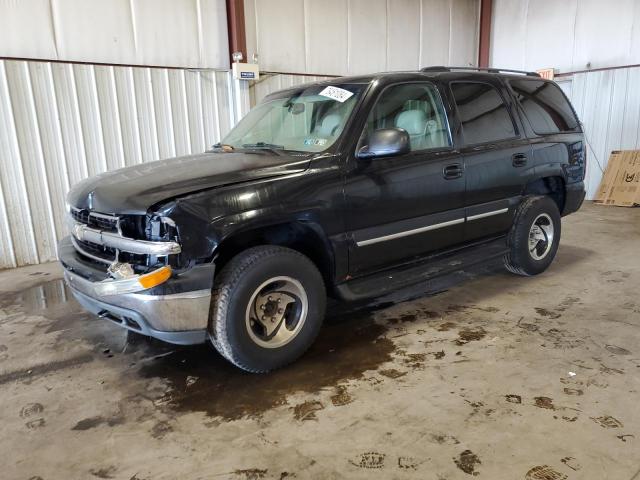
(104, 223)
(100, 251)
(99, 221)
(127, 226)
(92, 250)
(81, 216)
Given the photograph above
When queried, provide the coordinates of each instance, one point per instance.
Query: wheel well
(294, 235)
(551, 186)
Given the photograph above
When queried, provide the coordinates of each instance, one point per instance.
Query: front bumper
(176, 311)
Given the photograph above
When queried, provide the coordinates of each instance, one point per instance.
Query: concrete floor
(497, 377)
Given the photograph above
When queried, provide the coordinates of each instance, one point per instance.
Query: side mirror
(385, 142)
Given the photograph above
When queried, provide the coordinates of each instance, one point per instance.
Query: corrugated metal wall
(608, 103)
(61, 122)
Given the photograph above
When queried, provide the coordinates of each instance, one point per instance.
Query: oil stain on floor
(342, 352)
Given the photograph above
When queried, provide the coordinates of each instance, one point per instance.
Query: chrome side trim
(113, 240)
(406, 233)
(487, 214)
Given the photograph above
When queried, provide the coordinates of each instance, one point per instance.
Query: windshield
(307, 120)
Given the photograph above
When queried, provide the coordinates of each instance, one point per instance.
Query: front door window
(416, 108)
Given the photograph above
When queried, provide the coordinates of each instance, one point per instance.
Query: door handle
(519, 159)
(452, 171)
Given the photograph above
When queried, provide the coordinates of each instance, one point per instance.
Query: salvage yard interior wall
(608, 104)
(574, 37)
(62, 122)
(77, 98)
(568, 35)
(169, 33)
(347, 37)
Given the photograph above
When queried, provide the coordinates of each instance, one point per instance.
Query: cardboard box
(620, 183)
(608, 177)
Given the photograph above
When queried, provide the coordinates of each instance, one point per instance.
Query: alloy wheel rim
(541, 235)
(276, 312)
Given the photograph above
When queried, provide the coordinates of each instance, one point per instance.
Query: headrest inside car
(413, 121)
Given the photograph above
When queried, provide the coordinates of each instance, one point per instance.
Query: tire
(521, 258)
(261, 277)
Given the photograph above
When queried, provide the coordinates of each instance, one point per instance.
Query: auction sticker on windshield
(336, 93)
(315, 141)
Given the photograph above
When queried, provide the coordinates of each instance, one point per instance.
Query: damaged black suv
(348, 188)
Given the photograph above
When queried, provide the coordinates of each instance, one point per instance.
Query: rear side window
(545, 106)
(482, 112)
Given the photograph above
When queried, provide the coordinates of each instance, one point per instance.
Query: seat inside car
(329, 125)
(415, 123)
(422, 124)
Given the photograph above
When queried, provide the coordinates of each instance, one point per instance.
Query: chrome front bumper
(116, 240)
(178, 315)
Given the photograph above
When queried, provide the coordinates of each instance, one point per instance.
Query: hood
(133, 190)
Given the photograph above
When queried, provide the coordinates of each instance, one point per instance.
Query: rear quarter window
(545, 106)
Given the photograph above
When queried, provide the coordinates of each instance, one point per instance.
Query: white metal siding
(608, 103)
(60, 123)
(569, 35)
(340, 37)
(173, 33)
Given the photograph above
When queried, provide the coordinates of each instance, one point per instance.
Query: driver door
(405, 206)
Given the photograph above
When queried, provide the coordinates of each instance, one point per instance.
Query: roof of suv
(425, 73)
(432, 72)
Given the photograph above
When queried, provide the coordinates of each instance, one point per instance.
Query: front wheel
(534, 237)
(267, 308)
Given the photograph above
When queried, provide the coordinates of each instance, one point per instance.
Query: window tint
(545, 106)
(416, 108)
(483, 114)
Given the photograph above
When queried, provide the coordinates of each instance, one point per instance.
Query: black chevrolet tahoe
(345, 188)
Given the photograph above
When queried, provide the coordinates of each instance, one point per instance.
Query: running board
(386, 281)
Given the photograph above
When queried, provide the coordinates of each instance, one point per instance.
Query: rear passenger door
(496, 156)
(555, 134)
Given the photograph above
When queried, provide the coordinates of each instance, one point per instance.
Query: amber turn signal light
(155, 278)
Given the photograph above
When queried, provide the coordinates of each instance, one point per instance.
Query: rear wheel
(267, 308)
(534, 237)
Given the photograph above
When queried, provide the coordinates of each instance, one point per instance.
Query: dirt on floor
(485, 375)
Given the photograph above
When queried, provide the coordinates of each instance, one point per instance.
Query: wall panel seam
(78, 119)
(54, 96)
(41, 160)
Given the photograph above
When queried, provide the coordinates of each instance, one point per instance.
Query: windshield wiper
(266, 146)
(223, 146)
